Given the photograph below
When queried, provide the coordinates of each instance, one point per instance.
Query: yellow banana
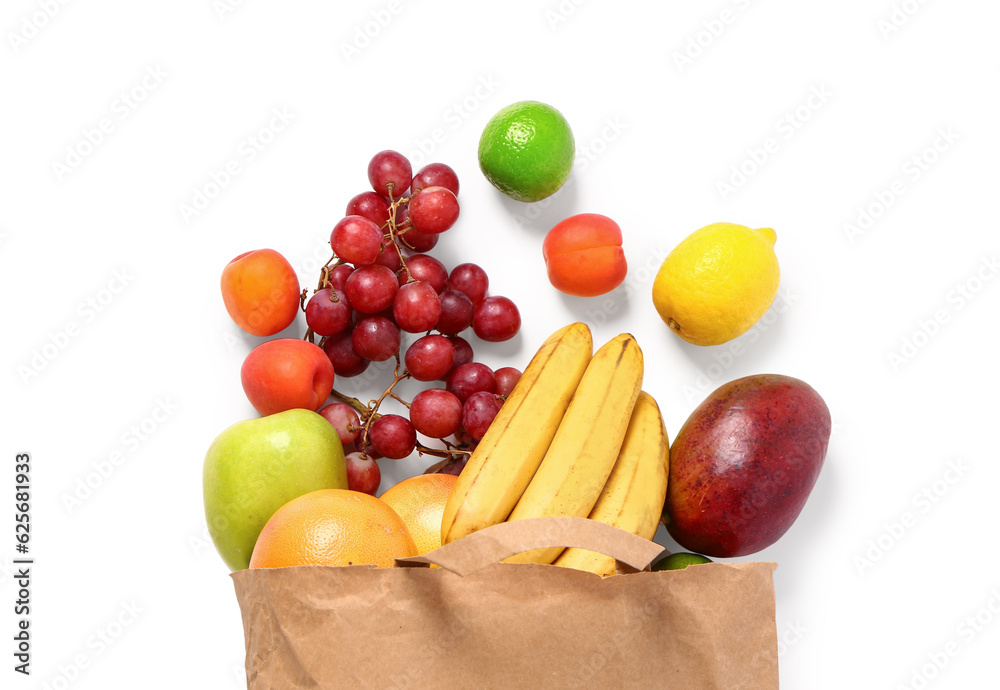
(586, 444)
(633, 498)
(505, 459)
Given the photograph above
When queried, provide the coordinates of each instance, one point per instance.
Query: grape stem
(358, 406)
(369, 413)
(373, 405)
(397, 377)
(309, 336)
(324, 274)
(394, 233)
(441, 452)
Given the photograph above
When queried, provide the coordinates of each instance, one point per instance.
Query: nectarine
(583, 255)
(286, 373)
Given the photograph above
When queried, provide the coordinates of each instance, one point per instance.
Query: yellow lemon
(717, 282)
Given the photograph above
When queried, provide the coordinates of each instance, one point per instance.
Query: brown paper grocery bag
(479, 623)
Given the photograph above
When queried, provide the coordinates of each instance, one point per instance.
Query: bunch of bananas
(577, 436)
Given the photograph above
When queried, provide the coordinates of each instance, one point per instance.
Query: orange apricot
(261, 292)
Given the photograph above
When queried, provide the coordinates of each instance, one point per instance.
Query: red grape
(496, 319)
(338, 275)
(370, 205)
(507, 378)
(465, 439)
(344, 419)
(456, 312)
(390, 168)
(371, 288)
(478, 412)
(456, 465)
(418, 241)
(387, 313)
(388, 256)
(433, 210)
(435, 175)
(470, 279)
(425, 267)
(417, 307)
(366, 448)
(436, 413)
(340, 349)
(375, 338)
(363, 473)
(393, 436)
(471, 378)
(356, 240)
(463, 351)
(430, 357)
(328, 311)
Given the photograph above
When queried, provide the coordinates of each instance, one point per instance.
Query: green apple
(256, 466)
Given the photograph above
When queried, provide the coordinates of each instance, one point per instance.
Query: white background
(889, 579)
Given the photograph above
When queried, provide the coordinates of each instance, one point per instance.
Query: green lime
(527, 150)
(679, 561)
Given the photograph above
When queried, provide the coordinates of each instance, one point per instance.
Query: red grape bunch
(381, 283)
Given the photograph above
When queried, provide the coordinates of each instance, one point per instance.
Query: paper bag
(476, 622)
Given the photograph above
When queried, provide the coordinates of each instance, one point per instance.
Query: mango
(744, 463)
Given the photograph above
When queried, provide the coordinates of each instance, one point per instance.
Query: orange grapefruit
(420, 502)
(333, 527)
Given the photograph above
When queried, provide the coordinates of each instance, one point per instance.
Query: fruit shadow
(507, 350)
(797, 551)
(539, 217)
(238, 339)
(747, 354)
(598, 311)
